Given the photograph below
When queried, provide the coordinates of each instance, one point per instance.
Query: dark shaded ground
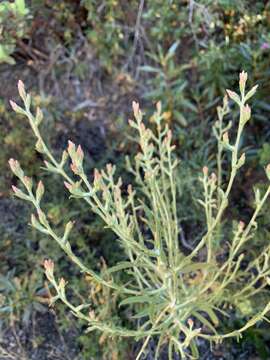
(41, 340)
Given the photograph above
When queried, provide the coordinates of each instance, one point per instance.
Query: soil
(40, 339)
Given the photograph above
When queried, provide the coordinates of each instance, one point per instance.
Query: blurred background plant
(13, 27)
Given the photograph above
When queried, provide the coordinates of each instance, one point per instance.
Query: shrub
(173, 296)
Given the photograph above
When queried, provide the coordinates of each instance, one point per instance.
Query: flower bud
(246, 114)
(80, 153)
(75, 169)
(42, 218)
(257, 196)
(136, 108)
(16, 107)
(68, 185)
(39, 116)
(16, 168)
(61, 285)
(234, 96)
(39, 191)
(68, 229)
(92, 315)
(241, 160)
(21, 90)
(71, 149)
(190, 323)
(213, 178)
(251, 92)
(34, 221)
(20, 194)
(40, 147)
(97, 178)
(205, 170)
(242, 82)
(28, 183)
(27, 102)
(49, 268)
(241, 226)
(76, 157)
(225, 138)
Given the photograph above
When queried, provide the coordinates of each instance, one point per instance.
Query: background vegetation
(86, 61)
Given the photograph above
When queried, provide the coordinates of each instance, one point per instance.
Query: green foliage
(169, 85)
(175, 297)
(106, 28)
(13, 26)
(264, 154)
(21, 297)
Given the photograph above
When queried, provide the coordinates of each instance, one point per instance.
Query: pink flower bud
(21, 90)
(97, 175)
(213, 177)
(13, 164)
(74, 169)
(233, 96)
(14, 106)
(62, 283)
(225, 137)
(242, 81)
(169, 135)
(241, 226)
(15, 189)
(40, 191)
(190, 323)
(49, 266)
(68, 185)
(80, 153)
(16, 168)
(246, 113)
(136, 108)
(205, 170)
(27, 182)
(71, 148)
